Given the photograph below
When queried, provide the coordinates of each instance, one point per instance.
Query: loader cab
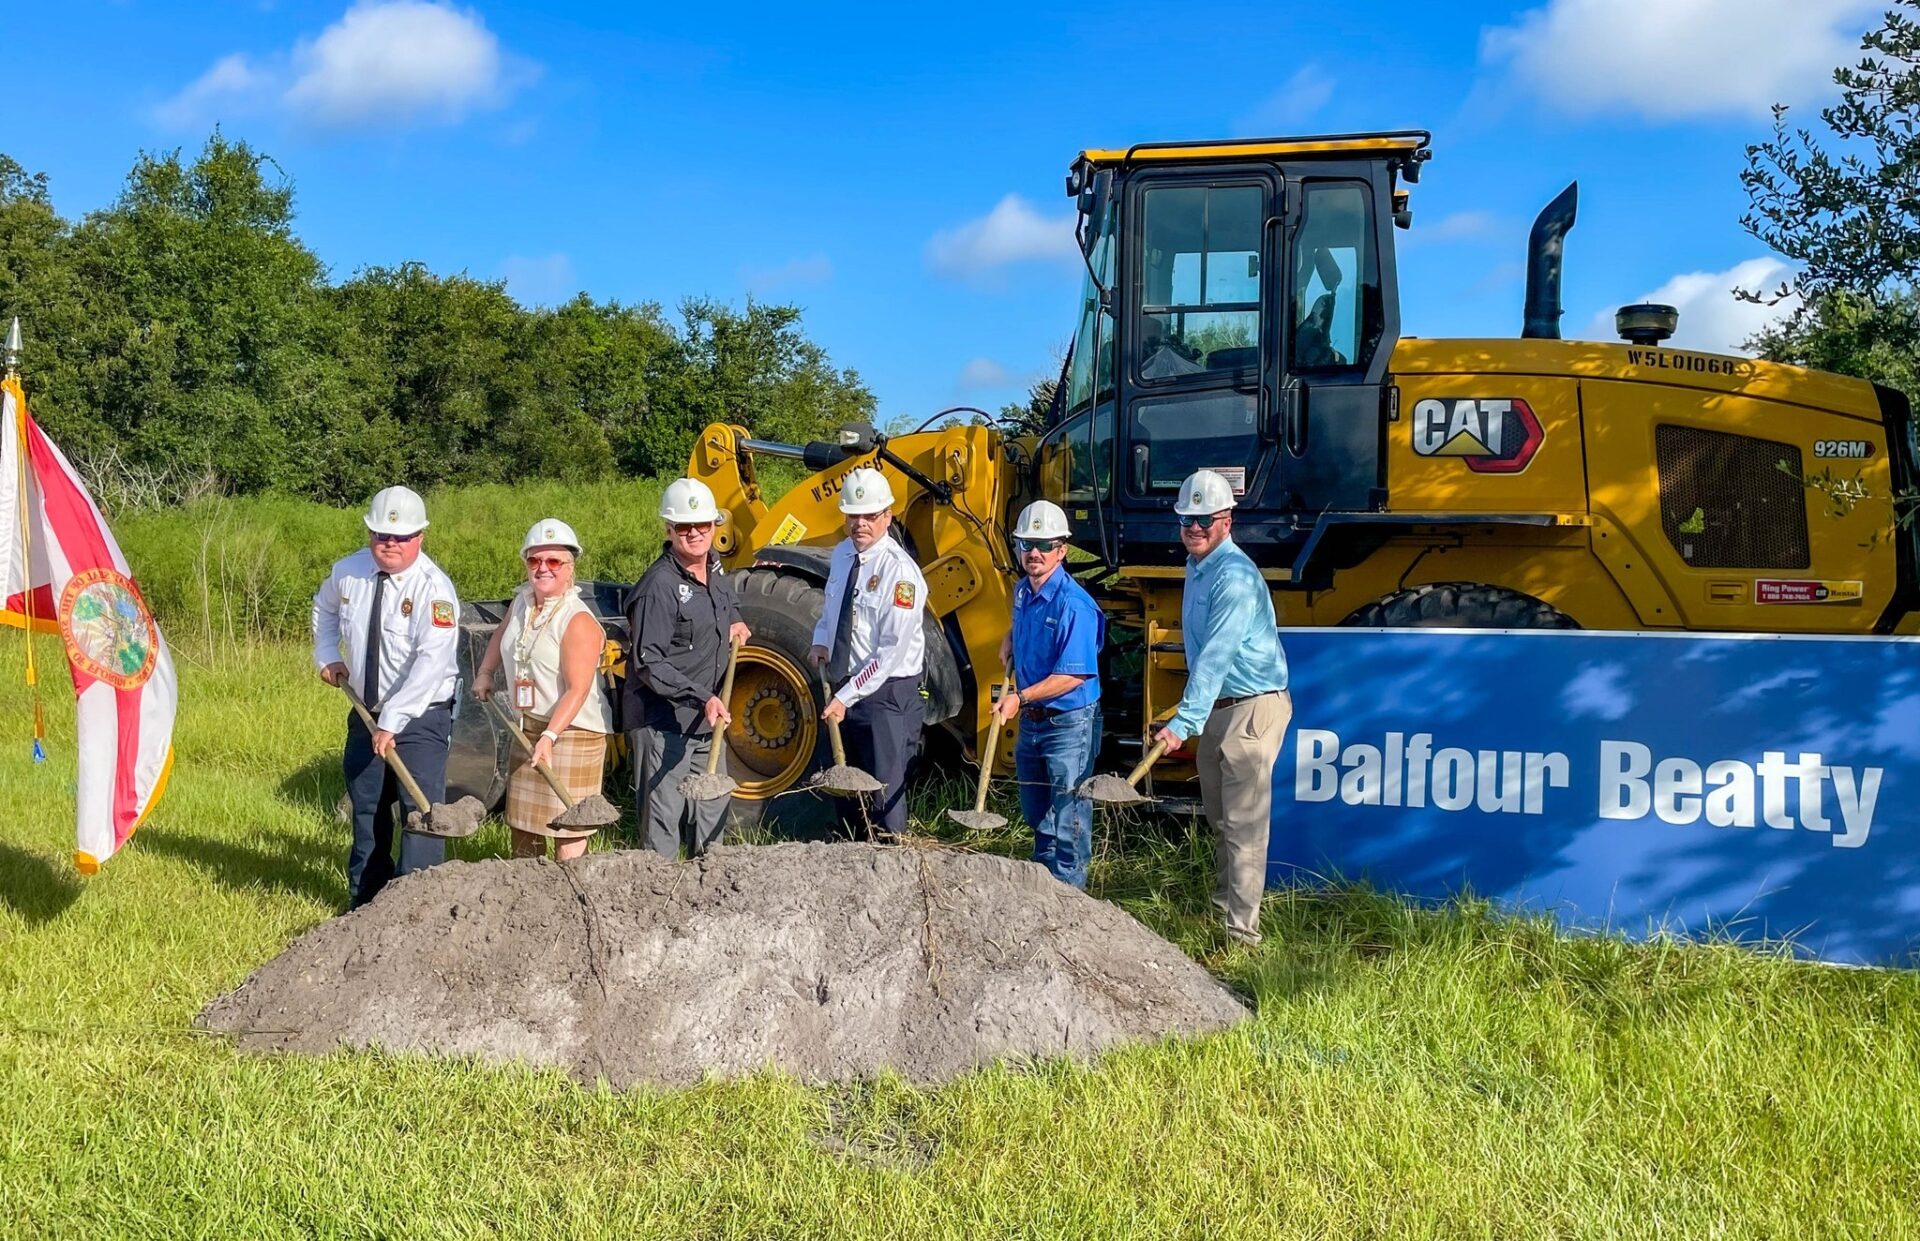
(1238, 314)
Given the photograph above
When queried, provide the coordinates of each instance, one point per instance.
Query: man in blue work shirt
(1055, 643)
(1236, 700)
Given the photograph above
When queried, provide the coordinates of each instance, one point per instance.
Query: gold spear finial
(13, 348)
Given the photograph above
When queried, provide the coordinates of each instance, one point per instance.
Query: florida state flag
(62, 573)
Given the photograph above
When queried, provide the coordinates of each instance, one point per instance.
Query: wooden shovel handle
(726, 696)
(553, 781)
(393, 757)
(833, 726)
(1152, 756)
(993, 744)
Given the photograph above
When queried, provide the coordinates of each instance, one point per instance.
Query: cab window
(1199, 280)
(1335, 314)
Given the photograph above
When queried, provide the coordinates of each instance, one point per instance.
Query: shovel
(462, 818)
(1112, 790)
(581, 818)
(980, 819)
(713, 785)
(841, 779)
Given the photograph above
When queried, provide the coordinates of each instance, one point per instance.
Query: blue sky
(898, 172)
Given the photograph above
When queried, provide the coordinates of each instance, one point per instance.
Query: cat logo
(1493, 436)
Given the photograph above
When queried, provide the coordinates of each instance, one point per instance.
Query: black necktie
(840, 666)
(370, 668)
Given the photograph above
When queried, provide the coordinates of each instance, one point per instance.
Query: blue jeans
(1051, 759)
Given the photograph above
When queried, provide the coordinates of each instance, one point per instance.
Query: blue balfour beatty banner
(1760, 787)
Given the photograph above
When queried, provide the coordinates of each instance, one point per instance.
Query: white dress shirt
(890, 601)
(419, 634)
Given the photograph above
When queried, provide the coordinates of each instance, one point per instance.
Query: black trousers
(378, 799)
(882, 736)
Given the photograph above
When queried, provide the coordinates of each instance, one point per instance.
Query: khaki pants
(1236, 754)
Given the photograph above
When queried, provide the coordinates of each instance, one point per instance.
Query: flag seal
(108, 631)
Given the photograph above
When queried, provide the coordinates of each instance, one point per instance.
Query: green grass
(1409, 1073)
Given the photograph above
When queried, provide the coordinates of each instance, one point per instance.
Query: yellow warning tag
(790, 530)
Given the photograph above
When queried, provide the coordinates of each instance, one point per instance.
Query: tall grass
(1408, 1072)
(226, 570)
(223, 571)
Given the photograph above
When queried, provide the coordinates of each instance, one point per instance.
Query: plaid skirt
(579, 760)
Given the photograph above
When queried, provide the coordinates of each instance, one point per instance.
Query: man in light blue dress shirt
(1236, 702)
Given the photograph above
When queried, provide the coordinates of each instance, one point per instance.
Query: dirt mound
(827, 961)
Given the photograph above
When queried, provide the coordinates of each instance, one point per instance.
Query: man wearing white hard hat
(1236, 704)
(386, 622)
(871, 639)
(549, 649)
(681, 617)
(1054, 649)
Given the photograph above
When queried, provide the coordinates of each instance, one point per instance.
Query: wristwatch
(550, 735)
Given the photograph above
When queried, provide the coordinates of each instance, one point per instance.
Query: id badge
(523, 695)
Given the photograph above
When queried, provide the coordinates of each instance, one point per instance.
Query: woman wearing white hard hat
(549, 651)
(682, 616)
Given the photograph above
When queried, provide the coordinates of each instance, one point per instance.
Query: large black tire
(1459, 605)
(774, 683)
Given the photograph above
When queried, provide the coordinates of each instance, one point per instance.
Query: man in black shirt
(681, 617)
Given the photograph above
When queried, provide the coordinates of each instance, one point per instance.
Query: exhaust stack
(1544, 249)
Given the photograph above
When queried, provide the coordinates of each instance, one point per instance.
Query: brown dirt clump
(829, 962)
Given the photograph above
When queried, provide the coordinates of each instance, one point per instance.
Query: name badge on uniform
(522, 694)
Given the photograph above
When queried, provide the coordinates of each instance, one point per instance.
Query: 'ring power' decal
(1492, 435)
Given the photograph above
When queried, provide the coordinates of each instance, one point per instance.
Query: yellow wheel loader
(1241, 314)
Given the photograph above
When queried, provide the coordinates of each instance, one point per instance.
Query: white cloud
(1460, 226)
(1013, 232)
(542, 280)
(383, 62)
(231, 86)
(983, 373)
(1302, 95)
(814, 269)
(1711, 317)
(397, 60)
(1679, 57)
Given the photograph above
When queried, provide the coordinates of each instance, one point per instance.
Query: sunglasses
(1200, 521)
(1023, 546)
(693, 527)
(380, 536)
(554, 563)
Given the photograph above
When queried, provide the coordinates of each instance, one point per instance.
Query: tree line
(186, 336)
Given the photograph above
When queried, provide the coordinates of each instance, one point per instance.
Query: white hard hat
(1202, 493)
(865, 490)
(550, 532)
(688, 501)
(1041, 520)
(396, 510)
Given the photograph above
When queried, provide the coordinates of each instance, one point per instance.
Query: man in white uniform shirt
(386, 622)
(871, 638)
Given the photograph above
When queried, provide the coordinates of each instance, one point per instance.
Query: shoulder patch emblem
(406, 607)
(443, 613)
(903, 595)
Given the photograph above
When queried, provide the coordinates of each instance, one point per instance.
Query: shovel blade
(846, 781)
(706, 787)
(978, 820)
(454, 822)
(1109, 791)
(588, 813)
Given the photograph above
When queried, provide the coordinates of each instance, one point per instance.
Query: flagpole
(26, 545)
